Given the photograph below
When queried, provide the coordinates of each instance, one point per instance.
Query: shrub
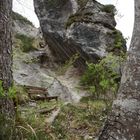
(109, 9)
(119, 46)
(16, 16)
(27, 42)
(11, 93)
(103, 77)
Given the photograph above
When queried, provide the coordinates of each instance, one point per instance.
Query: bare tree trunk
(6, 105)
(124, 121)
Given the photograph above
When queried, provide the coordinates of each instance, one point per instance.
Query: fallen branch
(41, 98)
(46, 110)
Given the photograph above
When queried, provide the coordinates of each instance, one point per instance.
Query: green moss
(79, 17)
(119, 43)
(109, 9)
(16, 16)
(27, 42)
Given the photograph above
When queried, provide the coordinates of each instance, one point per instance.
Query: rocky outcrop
(83, 27)
(22, 25)
(27, 72)
(28, 67)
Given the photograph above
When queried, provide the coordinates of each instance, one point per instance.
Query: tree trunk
(6, 105)
(124, 121)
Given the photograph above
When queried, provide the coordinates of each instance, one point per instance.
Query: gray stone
(25, 29)
(29, 73)
(72, 26)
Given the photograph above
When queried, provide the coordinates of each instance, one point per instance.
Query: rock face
(83, 27)
(21, 25)
(27, 29)
(27, 66)
(27, 71)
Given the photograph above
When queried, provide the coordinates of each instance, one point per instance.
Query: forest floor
(76, 116)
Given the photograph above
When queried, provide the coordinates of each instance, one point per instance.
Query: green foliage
(16, 16)
(109, 9)
(119, 40)
(101, 78)
(79, 17)
(70, 62)
(28, 124)
(1, 90)
(6, 128)
(11, 93)
(18, 129)
(119, 47)
(33, 124)
(27, 42)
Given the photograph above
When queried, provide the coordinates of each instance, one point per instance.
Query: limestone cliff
(83, 27)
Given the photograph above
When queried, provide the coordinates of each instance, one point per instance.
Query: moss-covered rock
(79, 17)
(109, 9)
(119, 43)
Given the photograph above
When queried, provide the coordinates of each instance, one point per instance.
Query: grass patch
(23, 20)
(21, 95)
(32, 124)
(76, 121)
(27, 42)
(62, 69)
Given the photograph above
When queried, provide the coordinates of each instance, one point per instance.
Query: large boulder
(83, 27)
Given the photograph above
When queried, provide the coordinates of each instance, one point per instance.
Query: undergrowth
(103, 78)
(74, 122)
(27, 42)
(109, 9)
(63, 68)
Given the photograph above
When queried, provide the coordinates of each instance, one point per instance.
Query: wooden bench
(34, 91)
(47, 98)
(39, 93)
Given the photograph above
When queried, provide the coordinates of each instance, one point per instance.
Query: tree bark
(124, 121)
(6, 105)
